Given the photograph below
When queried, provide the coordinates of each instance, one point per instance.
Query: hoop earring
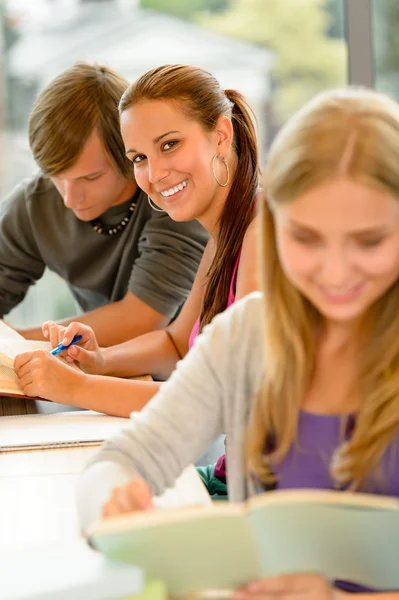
(153, 205)
(227, 171)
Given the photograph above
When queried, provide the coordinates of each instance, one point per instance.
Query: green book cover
(153, 590)
(353, 537)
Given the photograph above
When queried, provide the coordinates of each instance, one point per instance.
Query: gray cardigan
(207, 395)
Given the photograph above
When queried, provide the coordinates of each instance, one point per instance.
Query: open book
(12, 344)
(351, 537)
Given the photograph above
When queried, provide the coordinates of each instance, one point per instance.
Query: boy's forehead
(92, 160)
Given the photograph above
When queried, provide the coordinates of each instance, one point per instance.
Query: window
(385, 24)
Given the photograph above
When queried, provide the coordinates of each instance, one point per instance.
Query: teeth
(174, 190)
(339, 291)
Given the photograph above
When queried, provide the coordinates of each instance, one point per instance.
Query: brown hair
(201, 98)
(352, 133)
(82, 98)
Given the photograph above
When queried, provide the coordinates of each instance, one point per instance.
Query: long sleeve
(172, 431)
(207, 395)
(21, 264)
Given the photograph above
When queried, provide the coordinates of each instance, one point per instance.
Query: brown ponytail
(202, 99)
(238, 210)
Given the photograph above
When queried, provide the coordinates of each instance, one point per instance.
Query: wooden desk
(23, 406)
(15, 406)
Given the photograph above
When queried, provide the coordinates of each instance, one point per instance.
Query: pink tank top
(230, 301)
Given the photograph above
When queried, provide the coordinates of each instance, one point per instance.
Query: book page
(11, 347)
(209, 550)
(9, 381)
(8, 333)
(346, 542)
(324, 497)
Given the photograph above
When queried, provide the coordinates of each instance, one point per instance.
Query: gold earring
(227, 170)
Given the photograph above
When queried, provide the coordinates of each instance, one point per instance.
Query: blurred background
(278, 53)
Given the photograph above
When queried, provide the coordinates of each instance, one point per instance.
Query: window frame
(359, 39)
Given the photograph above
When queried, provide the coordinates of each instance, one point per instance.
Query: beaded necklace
(104, 229)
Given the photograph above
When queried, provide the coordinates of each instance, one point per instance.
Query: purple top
(303, 467)
(306, 467)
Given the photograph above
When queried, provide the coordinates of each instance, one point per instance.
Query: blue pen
(61, 347)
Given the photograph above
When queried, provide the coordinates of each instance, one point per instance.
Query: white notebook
(74, 428)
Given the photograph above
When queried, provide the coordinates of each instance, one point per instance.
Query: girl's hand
(133, 496)
(45, 376)
(86, 353)
(289, 587)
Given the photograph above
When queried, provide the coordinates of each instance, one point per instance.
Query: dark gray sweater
(153, 257)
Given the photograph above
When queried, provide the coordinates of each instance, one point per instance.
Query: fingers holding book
(133, 496)
(288, 587)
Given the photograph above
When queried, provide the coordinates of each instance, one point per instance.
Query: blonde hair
(353, 132)
(80, 100)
